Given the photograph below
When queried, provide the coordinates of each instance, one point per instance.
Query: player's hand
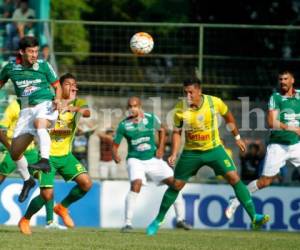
(241, 144)
(172, 160)
(117, 158)
(159, 153)
(295, 129)
(57, 104)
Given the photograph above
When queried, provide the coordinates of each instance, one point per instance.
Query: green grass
(92, 238)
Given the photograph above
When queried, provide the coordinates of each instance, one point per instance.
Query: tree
(70, 37)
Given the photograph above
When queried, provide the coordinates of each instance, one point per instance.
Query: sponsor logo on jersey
(143, 147)
(140, 140)
(29, 90)
(198, 137)
(17, 67)
(25, 83)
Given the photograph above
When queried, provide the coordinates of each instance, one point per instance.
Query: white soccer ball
(141, 43)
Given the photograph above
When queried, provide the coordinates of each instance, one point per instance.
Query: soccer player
(33, 80)
(61, 158)
(144, 158)
(7, 126)
(197, 114)
(284, 145)
(7, 165)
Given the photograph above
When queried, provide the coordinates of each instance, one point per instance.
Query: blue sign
(85, 212)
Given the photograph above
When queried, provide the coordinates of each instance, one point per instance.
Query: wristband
(237, 137)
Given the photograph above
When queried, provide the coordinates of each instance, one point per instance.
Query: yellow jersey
(9, 121)
(63, 133)
(201, 124)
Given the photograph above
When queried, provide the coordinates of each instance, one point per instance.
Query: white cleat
(233, 205)
(55, 225)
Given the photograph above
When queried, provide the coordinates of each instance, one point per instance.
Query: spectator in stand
(45, 52)
(16, 29)
(107, 166)
(252, 160)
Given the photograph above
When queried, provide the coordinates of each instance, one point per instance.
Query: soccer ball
(141, 43)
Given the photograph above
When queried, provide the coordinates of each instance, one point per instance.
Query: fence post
(199, 71)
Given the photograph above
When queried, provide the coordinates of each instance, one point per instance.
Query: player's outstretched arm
(58, 95)
(161, 142)
(176, 140)
(231, 125)
(116, 156)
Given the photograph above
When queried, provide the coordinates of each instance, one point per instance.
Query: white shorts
(277, 155)
(156, 169)
(107, 169)
(25, 124)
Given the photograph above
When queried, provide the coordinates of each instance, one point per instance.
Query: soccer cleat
(42, 164)
(63, 212)
(24, 226)
(29, 184)
(230, 210)
(153, 228)
(55, 225)
(182, 224)
(126, 229)
(260, 220)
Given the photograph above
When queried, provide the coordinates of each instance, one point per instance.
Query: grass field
(91, 238)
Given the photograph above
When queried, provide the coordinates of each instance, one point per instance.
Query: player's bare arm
(161, 143)
(274, 123)
(231, 123)
(176, 140)
(116, 156)
(58, 95)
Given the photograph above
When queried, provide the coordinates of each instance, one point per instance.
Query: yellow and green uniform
(8, 123)
(202, 141)
(32, 84)
(61, 158)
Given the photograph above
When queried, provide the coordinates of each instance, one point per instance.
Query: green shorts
(67, 166)
(191, 161)
(7, 165)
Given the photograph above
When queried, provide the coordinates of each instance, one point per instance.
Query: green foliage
(70, 37)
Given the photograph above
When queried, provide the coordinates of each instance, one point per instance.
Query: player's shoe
(55, 225)
(233, 205)
(126, 229)
(27, 186)
(260, 220)
(63, 212)
(153, 228)
(42, 164)
(183, 225)
(24, 226)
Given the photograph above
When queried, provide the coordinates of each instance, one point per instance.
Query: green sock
(167, 201)
(35, 205)
(244, 197)
(49, 211)
(75, 194)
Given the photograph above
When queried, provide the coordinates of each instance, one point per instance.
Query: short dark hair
(27, 42)
(192, 81)
(286, 71)
(66, 76)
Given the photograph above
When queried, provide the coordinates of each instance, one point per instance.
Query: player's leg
(181, 175)
(45, 117)
(35, 205)
(71, 169)
(46, 195)
(136, 173)
(276, 157)
(18, 147)
(7, 165)
(223, 165)
(161, 172)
